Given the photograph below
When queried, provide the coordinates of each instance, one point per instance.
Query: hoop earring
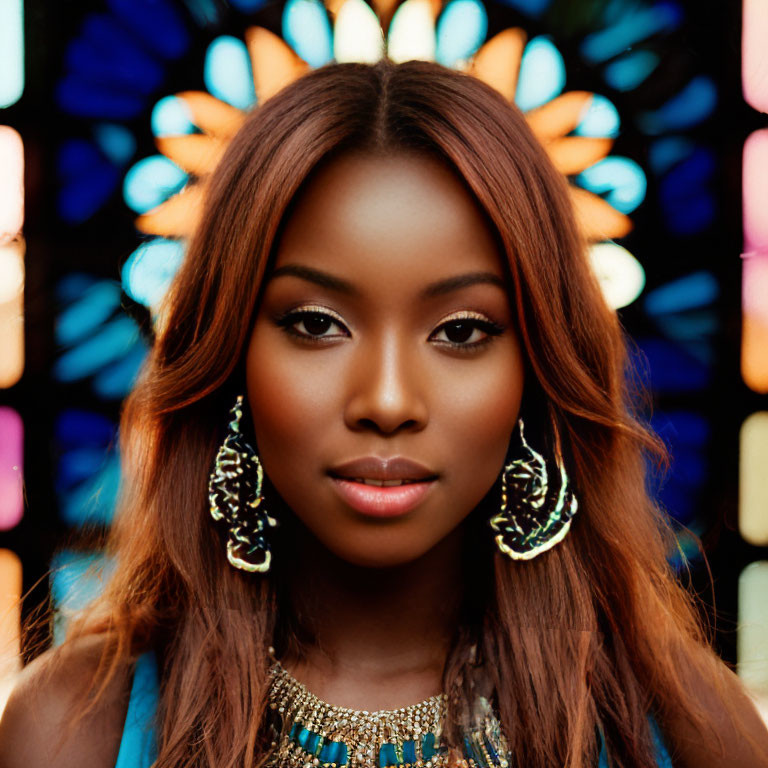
(538, 515)
(235, 496)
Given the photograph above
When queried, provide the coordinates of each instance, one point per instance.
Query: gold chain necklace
(311, 733)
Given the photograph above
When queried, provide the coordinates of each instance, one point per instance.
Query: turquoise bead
(311, 744)
(428, 746)
(387, 756)
(343, 754)
(409, 751)
(303, 736)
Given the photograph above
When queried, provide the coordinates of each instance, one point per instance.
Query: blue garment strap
(663, 760)
(138, 747)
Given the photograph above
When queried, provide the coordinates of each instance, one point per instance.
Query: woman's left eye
(467, 332)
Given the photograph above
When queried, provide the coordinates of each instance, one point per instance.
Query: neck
(379, 637)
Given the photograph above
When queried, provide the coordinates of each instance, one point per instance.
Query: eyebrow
(439, 288)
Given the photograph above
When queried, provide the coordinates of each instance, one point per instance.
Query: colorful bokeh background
(112, 113)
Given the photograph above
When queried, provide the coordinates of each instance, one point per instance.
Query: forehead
(407, 214)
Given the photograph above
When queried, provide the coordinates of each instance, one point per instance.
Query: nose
(386, 388)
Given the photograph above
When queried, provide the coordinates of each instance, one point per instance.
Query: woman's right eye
(311, 324)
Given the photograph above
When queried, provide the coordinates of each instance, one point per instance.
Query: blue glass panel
(156, 23)
(172, 117)
(691, 106)
(148, 272)
(668, 151)
(151, 182)
(87, 180)
(529, 7)
(633, 25)
(227, 72)
(88, 312)
(307, 30)
(461, 30)
(600, 119)
(542, 74)
(689, 292)
(115, 141)
(105, 54)
(620, 180)
(112, 342)
(117, 380)
(630, 70)
(94, 100)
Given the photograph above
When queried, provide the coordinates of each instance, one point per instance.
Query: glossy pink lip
(378, 501)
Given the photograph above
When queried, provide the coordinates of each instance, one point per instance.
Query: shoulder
(36, 728)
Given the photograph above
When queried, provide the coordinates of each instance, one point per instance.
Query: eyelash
(490, 328)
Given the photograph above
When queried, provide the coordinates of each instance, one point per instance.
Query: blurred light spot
(630, 70)
(307, 30)
(754, 167)
(116, 380)
(87, 180)
(115, 141)
(633, 25)
(686, 435)
(111, 342)
(357, 33)
(11, 468)
(753, 479)
(668, 151)
(754, 327)
(619, 272)
(11, 51)
(686, 194)
(412, 32)
(11, 313)
(691, 106)
(619, 180)
(673, 369)
(10, 623)
(600, 119)
(248, 6)
(11, 185)
(461, 30)
(689, 292)
(754, 54)
(87, 313)
(529, 7)
(542, 74)
(156, 23)
(77, 579)
(171, 116)
(227, 72)
(148, 272)
(752, 637)
(151, 181)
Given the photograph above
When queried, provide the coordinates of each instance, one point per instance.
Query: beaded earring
(235, 496)
(535, 512)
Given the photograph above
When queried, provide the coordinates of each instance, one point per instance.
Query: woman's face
(384, 351)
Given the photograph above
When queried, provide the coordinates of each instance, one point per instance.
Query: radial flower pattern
(192, 129)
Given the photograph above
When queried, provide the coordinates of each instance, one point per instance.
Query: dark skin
(397, 361)
(385, 383)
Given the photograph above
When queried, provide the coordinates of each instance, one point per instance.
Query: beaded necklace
(310, 733)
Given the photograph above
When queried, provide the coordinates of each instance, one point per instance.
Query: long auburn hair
(593, 635)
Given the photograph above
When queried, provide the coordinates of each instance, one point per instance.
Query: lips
(382, 487)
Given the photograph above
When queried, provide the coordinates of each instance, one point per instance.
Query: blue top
(138, 746)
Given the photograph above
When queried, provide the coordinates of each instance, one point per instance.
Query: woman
(385, 437)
